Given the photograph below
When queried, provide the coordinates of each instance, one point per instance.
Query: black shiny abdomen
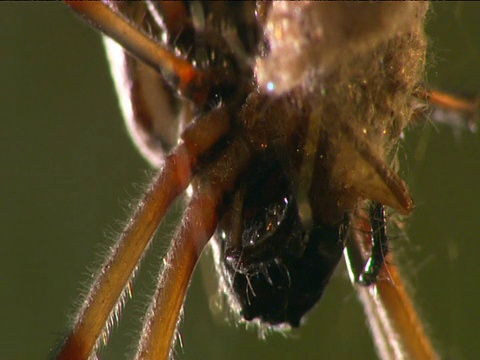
(275, 271)
(285, 288)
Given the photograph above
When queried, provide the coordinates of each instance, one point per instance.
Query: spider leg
(456, 112)
(163, 315)
(173, 17)
(108, 288)
(397, 330)
(152, 114)
(200, 222)
(379, 239)
(191, 82)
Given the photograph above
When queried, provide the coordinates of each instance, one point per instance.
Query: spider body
(278, 168)
(306, 165)
(269, 255)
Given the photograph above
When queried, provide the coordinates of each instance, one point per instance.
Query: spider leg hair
(114, 277)
(200, 221)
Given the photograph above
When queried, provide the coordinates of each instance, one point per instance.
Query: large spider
(312, 162)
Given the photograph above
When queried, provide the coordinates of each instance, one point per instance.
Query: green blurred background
(68, 174)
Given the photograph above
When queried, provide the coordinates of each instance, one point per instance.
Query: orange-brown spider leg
(107, 290)
(396, 328)
(163, 315)
(158, 333)
(191, 82)
(449, 101)
(460, 112)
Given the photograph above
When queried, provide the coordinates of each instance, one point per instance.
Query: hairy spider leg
(199, 224)
(108, 289)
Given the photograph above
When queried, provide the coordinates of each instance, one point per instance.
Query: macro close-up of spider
(289, 137)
